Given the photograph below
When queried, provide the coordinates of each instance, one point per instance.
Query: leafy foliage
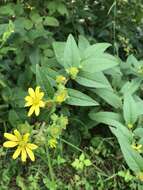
(78, 54)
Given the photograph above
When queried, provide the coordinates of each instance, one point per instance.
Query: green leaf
(62, 9)
(109, 96)
(51, 74)
(82, 44)
(112, 119)
(51, 21)
(93, 80)
(95, 50)
(18, 95)
(20, 181)
(43, 81)
(78, 98)
(59, 52)
(130, 111)
(28, 24)
(131, 87)
(101, 116)
(133, 61)
(3, 28)
(139, 105)
(7, 10)
(5, 50)
(82, 157)
(87, 162)
(34, 56)
(36, 17)
(71, 53)
(49, 184)
(132, 157)
(99, 63)
(139, 132)
(14, 118)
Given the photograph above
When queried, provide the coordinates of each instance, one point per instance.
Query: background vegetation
(27, 31)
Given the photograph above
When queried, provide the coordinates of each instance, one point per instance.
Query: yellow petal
(31, 92)
(17, 134)
(28, 99)
(41, 104)
(31, 110)
(23, 155)
(16, 153)
(26, 137)
(28, 104)
(32, 146)
(37, 91)
(37, 110)
(10, 144)
(10, 137)
(30, 154)
(41, 94)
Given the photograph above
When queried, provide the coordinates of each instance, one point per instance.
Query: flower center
(36, 101)
(22, 143)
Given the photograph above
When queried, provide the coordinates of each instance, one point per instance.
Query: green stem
(50, 165)
(72, 145)
(111, 177)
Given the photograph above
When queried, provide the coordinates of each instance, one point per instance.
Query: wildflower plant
(62, 98)
(52, 89)
(23, 146)
(35, 101)
(73, 87)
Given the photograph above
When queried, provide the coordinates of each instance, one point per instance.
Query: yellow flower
(24, 148)
(52, 143)
(73, 71)
(137, 147)
(34, 100)
(61, 79)
(61, 96)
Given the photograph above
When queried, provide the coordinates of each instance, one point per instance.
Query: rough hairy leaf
(43, 81)
(78, 98)
(71, 53)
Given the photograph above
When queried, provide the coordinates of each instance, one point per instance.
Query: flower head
(52, 143)
(61, 79)
(23, 147)
(55, 131)
(34, 101)
(130, 126)
(61, 95)
(73, 71)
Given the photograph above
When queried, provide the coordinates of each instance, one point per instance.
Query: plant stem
(112, 176)
(72, 145)
(50, 166)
